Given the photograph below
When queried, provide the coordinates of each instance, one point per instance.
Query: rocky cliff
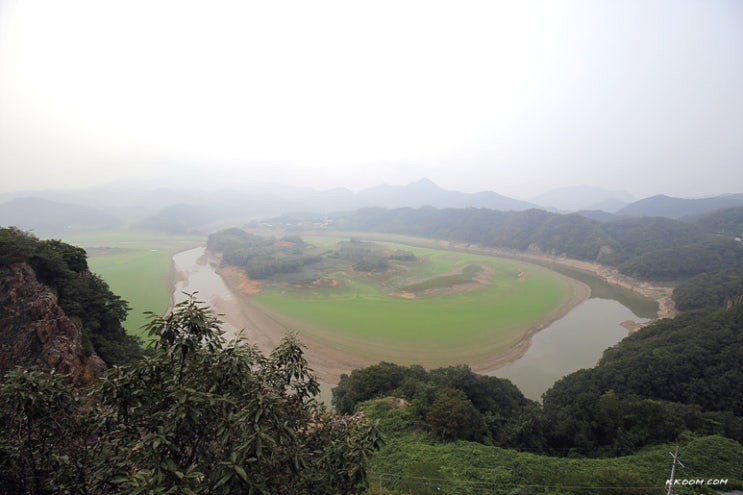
(34, 330)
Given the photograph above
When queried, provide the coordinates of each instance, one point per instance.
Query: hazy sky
(517, 96)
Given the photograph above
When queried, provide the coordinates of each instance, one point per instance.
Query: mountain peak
(424, 182)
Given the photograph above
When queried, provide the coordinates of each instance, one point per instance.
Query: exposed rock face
(34, 330)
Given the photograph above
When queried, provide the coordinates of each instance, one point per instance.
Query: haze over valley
(395, 248)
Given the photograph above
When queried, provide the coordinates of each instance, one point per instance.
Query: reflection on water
(575, 341)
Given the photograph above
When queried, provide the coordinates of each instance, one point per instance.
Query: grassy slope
(411, 465)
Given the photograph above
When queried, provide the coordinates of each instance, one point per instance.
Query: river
(575, 341)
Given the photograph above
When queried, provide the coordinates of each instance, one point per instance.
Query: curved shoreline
(581, 292)
(243, 317)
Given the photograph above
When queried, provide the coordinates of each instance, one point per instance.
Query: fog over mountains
(173, 209)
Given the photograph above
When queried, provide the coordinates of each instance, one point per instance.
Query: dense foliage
(725, 222)
(686, 261)
(81, 294)
(200, 415)
(452, 403)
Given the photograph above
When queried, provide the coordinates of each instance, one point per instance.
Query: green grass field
(447, 318)
(136, 266)
(373, 315)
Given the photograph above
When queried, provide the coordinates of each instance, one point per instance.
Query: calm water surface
(575, 341)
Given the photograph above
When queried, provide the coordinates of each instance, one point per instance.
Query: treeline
(366, 256)
(261, 257)
(671, 377)
(82, 295)
(651, 248)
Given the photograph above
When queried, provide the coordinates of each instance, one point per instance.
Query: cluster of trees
(261, 257)
(82, 295)
(367, 257)
(265, 257)
(363, 258)
(674, 376)
(198, 416)
(653, 248)
(452, 403)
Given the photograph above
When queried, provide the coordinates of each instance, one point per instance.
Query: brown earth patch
(403, 295)
(239, 282)
(482, 279)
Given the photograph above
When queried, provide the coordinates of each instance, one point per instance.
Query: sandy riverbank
(230, 296)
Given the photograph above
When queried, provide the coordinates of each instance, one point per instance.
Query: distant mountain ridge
(425, 193)
(577, 198)
(39, 214)
(183, 210)
(175, 210)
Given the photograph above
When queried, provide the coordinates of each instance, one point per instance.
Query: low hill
(577, 198)
(426, 193)
(725, 222)
(44, 216)
(670, 207)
